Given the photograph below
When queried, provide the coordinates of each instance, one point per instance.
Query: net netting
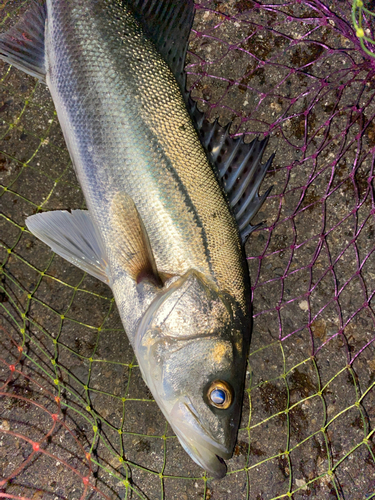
(76, 419)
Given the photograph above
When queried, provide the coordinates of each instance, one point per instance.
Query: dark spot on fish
(182, 127)
(214, 215)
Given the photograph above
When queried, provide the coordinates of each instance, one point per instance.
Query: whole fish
(169, 197)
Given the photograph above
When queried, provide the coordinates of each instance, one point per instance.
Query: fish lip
(206, 457)
(197, 441)
(221, 451)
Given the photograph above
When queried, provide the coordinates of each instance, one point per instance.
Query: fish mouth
(197, 441)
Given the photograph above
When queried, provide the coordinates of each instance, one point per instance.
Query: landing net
(76, 419)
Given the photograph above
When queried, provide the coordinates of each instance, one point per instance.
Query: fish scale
(177, 182)
(170, 174)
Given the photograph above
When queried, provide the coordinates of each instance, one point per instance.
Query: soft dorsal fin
(23, 44)
(168, 24)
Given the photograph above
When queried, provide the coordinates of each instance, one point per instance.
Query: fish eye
(220, 394)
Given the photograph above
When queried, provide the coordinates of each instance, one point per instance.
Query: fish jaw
(196, 440)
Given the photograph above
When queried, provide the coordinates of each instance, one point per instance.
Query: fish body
(128, 132)
(159, 227)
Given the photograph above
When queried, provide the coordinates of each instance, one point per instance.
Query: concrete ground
(291, 71)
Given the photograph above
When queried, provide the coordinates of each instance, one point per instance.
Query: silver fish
(168, 195)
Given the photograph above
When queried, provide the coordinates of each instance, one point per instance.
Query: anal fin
(74, 237)
(23, 44)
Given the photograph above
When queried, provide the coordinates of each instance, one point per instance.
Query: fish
(170, 198)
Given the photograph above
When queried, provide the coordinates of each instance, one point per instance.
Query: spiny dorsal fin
(23, 44)
(168, 24)
(238, 165)
(241, 171)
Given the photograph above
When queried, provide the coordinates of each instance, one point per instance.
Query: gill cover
(188, 339)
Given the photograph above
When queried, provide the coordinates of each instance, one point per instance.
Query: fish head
(191, 346)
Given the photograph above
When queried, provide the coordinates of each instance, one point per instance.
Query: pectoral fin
(130, 241)
(74, 237)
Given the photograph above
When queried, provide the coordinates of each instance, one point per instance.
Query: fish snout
(207, 451)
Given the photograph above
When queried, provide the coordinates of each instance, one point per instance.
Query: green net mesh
(76, 419)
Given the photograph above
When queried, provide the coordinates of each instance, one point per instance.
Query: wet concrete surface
(308, 414)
